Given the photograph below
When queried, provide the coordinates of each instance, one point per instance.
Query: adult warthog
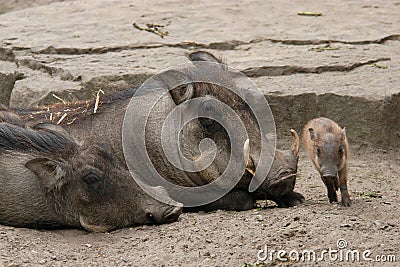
(103, 120)
(47, 180)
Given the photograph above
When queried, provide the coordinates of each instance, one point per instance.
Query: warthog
(49, 181)
(327, 146)
(104, 122)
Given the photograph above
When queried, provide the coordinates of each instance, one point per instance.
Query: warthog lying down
(47, 180)
(82, 119)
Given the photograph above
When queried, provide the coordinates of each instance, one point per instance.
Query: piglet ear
(313, 134)
(295, 143)
(48, 171)
(344, 133)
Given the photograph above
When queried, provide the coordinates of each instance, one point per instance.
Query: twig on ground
(152, 28)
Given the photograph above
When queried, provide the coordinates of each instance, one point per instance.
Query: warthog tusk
(246, 156)
(246, 150)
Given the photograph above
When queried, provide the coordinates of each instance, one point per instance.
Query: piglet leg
(346, 201)
(331, 187)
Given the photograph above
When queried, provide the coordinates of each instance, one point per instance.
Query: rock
(8, 77)
(259, 218)
(330, 71)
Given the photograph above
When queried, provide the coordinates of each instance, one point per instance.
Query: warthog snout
(329, 171)
(168, 215)
(283, 185)
(173, 214)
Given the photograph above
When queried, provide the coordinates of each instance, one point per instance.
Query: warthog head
(196, 126)
(83, 185)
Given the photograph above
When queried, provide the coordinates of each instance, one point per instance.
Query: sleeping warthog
(327, 146)
(48, 180)
(82, 119)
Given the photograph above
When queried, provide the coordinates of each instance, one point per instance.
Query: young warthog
(327, 146)
(47, 180)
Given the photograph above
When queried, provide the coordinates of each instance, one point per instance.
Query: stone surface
(343, 64)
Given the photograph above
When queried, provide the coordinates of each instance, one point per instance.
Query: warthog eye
(150, 216)
(318, 151)
(208, 111)
(90, 178)
(341, 151)
(207, 122)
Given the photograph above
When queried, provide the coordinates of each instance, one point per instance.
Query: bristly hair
(15, 138)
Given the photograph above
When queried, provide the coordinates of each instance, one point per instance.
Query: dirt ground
(225, 238)
(14, 5)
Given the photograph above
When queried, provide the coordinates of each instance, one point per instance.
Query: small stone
(290, 234)
(259, 218)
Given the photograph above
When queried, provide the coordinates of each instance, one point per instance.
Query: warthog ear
(179, 85)
(313, 134)
(344, 133)
(203, 56)
(49, 172)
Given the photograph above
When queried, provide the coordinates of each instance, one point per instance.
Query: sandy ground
(225, 238)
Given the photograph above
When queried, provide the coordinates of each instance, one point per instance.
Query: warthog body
(47, 180)
(326, 144)
(80, 120)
